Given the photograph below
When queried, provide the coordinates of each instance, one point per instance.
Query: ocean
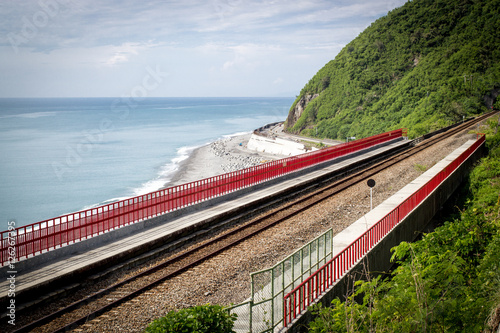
(61, 155)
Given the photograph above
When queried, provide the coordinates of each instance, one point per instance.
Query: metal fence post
(283, 286)
(250, 318)
(272, 297)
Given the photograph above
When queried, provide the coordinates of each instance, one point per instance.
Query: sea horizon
(68, 154)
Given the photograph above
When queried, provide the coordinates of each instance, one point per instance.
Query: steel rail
(316, 196)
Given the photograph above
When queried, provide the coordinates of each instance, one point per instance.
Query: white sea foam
(106, 202)
(31, 115)
(175, 108)
(235, 134)
(166, 172)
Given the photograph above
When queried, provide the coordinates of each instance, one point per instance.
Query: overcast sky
(179, 48)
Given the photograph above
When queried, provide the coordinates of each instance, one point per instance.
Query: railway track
(106, 299)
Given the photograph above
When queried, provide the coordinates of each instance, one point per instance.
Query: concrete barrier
(276, 146)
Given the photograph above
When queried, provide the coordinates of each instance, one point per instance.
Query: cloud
(123, 53)
(96, 23)
(278, 81)
(211, 47)
(247, 56)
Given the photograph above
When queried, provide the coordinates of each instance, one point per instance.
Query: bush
(198, 319)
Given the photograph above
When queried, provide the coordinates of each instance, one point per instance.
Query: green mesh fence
(263, 312)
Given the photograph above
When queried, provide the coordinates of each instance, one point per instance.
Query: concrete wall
(378, 259)
(277, 146)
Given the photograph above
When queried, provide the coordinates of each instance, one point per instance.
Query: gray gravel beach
(219, 157)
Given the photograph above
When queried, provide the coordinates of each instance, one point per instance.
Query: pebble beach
(219, 157)
(242, 151)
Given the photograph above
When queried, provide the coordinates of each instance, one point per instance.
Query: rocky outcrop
(490, 99)
(296, 112)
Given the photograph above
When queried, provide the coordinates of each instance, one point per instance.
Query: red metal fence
(49, 234)
(308, 291)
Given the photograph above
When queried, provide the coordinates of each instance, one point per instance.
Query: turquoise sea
(60, 155)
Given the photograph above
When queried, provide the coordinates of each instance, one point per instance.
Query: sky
(179, 48)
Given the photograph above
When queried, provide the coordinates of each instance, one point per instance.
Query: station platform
(64, 268)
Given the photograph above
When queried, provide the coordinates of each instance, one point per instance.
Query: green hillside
(423, 66)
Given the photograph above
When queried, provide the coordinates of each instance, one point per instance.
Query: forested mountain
(425, 65)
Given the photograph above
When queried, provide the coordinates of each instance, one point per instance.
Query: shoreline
(219, 157)
(241, 151)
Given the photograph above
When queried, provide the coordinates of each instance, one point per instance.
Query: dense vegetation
(423, 66)
(198, 319)
(449, 281)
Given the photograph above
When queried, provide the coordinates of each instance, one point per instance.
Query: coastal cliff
(423, 66)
